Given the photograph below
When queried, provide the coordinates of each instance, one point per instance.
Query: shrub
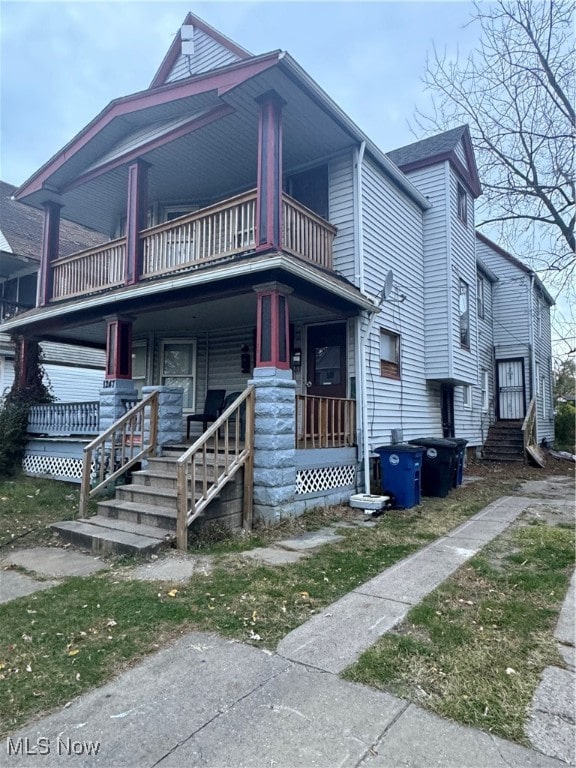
(565, 427)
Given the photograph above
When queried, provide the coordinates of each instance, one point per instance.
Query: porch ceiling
(206, 164)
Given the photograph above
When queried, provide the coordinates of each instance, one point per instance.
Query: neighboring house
(257, 238)
(73, 373)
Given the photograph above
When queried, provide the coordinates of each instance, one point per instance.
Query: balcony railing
(220, 230)
(9, 309)
(55, 419)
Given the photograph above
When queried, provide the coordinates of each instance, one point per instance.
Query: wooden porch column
(118, 348)
(272, 326)
(49, 251)
(136, 215)
(269, 189)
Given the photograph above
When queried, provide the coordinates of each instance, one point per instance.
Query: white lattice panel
(57, 466)
(324, 478)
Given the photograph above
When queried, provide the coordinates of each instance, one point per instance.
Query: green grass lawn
(475, 648)
(63, 641)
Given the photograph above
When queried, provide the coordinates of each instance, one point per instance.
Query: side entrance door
(447, 413)
(511, 389)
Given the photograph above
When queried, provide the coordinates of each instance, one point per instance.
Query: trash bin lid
(398, 448)
(434, 442)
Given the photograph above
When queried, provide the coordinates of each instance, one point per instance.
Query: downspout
(361, 384)
(533, 383)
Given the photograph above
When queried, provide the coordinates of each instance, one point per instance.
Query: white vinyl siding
(73, 385)
(393, 240)
(208, 54)
(341, 208)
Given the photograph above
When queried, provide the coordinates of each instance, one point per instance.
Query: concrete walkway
(206, 701)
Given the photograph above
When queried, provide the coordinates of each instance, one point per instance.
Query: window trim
(464, 341)
(480, 296)
(391, 369)
(485, 391)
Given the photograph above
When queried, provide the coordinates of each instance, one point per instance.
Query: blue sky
(62, 62)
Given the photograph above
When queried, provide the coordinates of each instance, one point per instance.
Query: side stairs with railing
(160, 502)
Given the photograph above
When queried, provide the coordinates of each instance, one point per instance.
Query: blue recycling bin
(401, 466)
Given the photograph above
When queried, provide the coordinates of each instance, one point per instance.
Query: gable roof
(21, 230)
(517, 263)
(437, 149)
(236, 51)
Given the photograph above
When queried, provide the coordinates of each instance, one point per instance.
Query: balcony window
(464, 305)
(389, 355)
(311, 189)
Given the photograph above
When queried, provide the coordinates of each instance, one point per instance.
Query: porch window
(178, 368)
(464, 305)
(139, 365)
(462, 205)
(389, 354)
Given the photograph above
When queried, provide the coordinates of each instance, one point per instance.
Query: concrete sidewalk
(206, 701)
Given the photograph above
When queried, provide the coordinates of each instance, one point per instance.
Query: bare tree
(516, 91)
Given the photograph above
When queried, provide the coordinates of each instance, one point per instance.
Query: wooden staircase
(505, 442)
(142, 515)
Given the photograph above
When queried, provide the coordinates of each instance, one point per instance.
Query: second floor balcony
(216, 232)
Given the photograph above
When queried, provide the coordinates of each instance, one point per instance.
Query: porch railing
(325, 422)
(128, 441)
(529, 436)
(55, 419)
(99, 268)
(213, 460)
(217, 231)
(306, 234)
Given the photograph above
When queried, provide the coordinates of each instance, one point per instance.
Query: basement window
(389, 354)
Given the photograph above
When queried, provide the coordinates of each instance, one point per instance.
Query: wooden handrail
(309, 213)
(230, 453)
(112, 453)
(89, 251)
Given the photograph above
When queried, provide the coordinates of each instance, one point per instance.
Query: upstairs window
(462, 204)
(389, 355)
(480, 295)
(464, 304)
(311, 189)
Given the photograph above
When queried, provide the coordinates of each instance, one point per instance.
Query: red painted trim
(189, 127)
(135, 219)
(230, 76)
(274, 361)
(22, 362)
(49, 251)
(269, 187)
(114, 332)
(174, 51)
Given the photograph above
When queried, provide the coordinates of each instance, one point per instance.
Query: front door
(326, 360)
(511, 394)
(447, 395)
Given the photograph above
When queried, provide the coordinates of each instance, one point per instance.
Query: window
(178, 368)
(464, 314)
(480, 295)
(485, 391)
(462, 204)
(389, 355)
(467, 396)
(539, 317)
(311, 189)
(139, 365)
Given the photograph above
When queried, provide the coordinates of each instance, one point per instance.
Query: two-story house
(267, 262)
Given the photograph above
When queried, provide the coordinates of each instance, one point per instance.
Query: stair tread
(140, 529)
(133, 540)
(144, 509)
(148, 490)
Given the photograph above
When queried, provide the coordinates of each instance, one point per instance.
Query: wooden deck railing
(529, 428)
(325, 422)
(306, 234)
(97, 269)
(54, 419)
(217, 231)
(213, 460)
(119, 448)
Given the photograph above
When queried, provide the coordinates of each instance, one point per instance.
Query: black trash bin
(438, 463)
(458, 473)
(401, 466)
